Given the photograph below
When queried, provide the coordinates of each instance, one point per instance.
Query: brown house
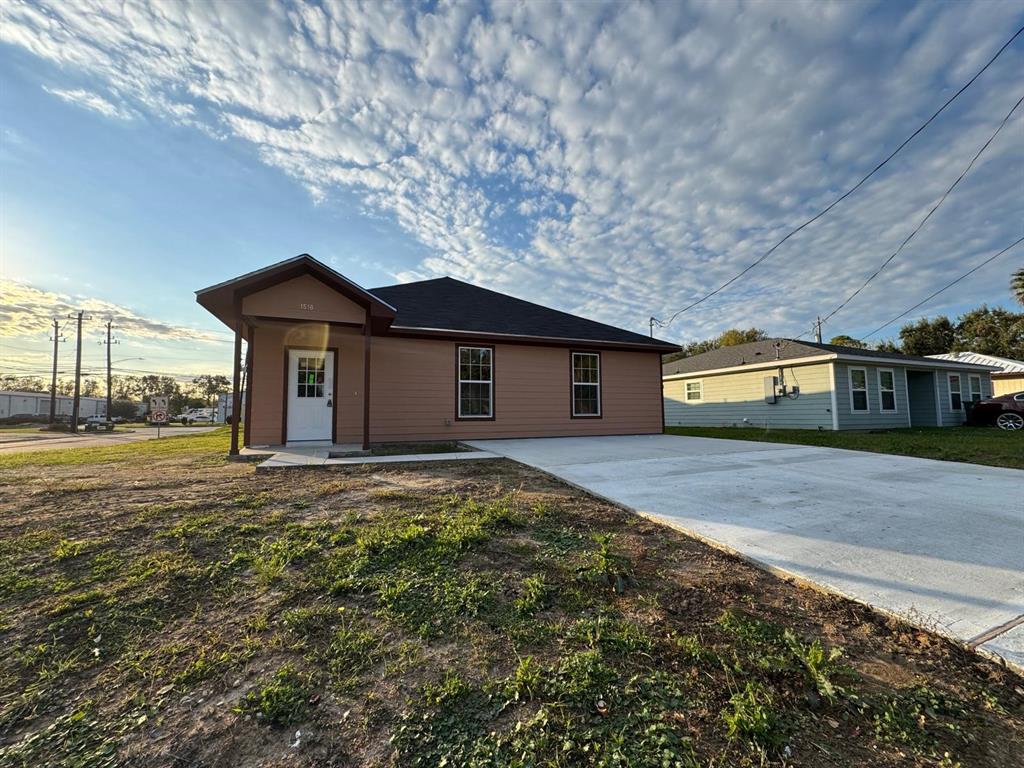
(330, 361)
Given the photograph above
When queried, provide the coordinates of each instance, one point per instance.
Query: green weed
(282, 700)
(751, 715)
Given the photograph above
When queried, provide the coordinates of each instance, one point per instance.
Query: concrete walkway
(47, 441)
(320, 455)
(938, 543)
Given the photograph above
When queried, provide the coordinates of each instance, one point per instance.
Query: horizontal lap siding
(874, 418)
(414, 393)
(951, 418)
(731, 397)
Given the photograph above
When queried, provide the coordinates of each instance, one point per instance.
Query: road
(17, 442)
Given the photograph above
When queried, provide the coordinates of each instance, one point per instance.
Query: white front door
(310, 394)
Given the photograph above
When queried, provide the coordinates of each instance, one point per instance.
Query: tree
(728, 338)
(209, 386)
(125, 409)
(847, 341)
(928, 337)
(990, 331)
(1017, 285)
(888, 346)
(23, 384)
(89, 388)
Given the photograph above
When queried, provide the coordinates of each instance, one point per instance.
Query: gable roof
(447, 304)
(1004, 364)
(440, 307)
(769, 352)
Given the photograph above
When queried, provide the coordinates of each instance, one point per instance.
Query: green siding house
(788, 384)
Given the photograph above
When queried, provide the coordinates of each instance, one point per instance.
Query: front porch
(280, 456)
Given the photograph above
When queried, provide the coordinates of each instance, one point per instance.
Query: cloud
(613, 159)
(27, 312)
(93, 101)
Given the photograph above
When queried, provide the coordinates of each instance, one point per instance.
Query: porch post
(366, 381)
(236, 399)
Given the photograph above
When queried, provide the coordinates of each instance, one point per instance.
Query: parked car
(194, 415)
(1005, 412)
(98, 423)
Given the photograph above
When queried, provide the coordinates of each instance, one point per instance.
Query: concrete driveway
(939, 543)
(18, 442)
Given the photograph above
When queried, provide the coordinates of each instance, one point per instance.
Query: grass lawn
(160, 605)
(975, 445)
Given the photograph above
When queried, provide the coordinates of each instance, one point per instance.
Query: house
(791, 384)
(1008, 379)
(332, 362)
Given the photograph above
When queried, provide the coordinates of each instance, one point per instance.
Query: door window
(310, 377)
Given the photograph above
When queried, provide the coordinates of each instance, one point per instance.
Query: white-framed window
(586, 384)
(476, 383)
(886, 390)
(955, 397)
(694, 391)
(859, 390)
(975, 383)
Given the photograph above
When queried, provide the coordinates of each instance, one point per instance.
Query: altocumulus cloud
(613, 159)
(26, 311)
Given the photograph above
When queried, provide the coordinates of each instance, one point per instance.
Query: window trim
(881, 402)
(971, 378)
(867, 390)
(459, 381)
(686, 395)
(960, 391)
(572, 385)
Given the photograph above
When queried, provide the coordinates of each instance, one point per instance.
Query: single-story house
(1007, 379)
(784, 383)
(331, 362)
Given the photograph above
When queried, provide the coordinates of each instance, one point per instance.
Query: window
(476, 383)
(859, 390)
(955, 398)
(887, 390)
(310, 377)
(694, 391)
(586, 384)
(975, 388)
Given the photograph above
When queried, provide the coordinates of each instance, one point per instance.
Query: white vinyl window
(975, 388)
(476, 383)
(955, 397)
(586, 384)
(886, 390)
(694, 391)
(859, 390)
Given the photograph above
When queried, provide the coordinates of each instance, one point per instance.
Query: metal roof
(1005, 364)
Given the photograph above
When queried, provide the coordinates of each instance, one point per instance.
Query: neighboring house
(1007, 380)
(784, 383)
(332, 362)
(38, 404)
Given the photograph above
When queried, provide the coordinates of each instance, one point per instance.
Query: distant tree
(990, 331)
(847, 341)
(928, 337)
(125, 409)
(1017, 285)
(127, 388)
(23, 384)
(89, 388)
(209, 386)
(888, 346)
(65, 387)
(728, 338)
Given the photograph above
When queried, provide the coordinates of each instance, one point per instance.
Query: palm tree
(1017, 284)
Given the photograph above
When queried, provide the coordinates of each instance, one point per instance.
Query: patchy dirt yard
(162, 606)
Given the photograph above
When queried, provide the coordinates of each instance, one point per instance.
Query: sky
(615, 160)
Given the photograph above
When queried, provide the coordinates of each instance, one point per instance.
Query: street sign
(158, 417)
(158, 405)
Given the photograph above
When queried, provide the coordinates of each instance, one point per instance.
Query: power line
(850, 191)
(923, 221)
(949, 285)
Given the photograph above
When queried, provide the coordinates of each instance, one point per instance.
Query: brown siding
(287, 299)
(414, 383)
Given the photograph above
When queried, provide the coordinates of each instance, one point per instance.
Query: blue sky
(615, 160)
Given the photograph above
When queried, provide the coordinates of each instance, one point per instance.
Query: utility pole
(57, 338)
(78, 376)
(817, 330)
(109, 343)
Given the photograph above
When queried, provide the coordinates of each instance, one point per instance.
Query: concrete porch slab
(318, 456)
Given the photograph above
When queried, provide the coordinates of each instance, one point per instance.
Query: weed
(350, 650)
(751, 715)
(820, 665)
(525, 682)
(451, 688)
(535, 595)
(252, 500)
(282, 700)
(916, 718)
(611, 634)
(67, 549)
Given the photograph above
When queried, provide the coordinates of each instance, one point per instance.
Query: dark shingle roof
(788, 349)
(452, 305)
